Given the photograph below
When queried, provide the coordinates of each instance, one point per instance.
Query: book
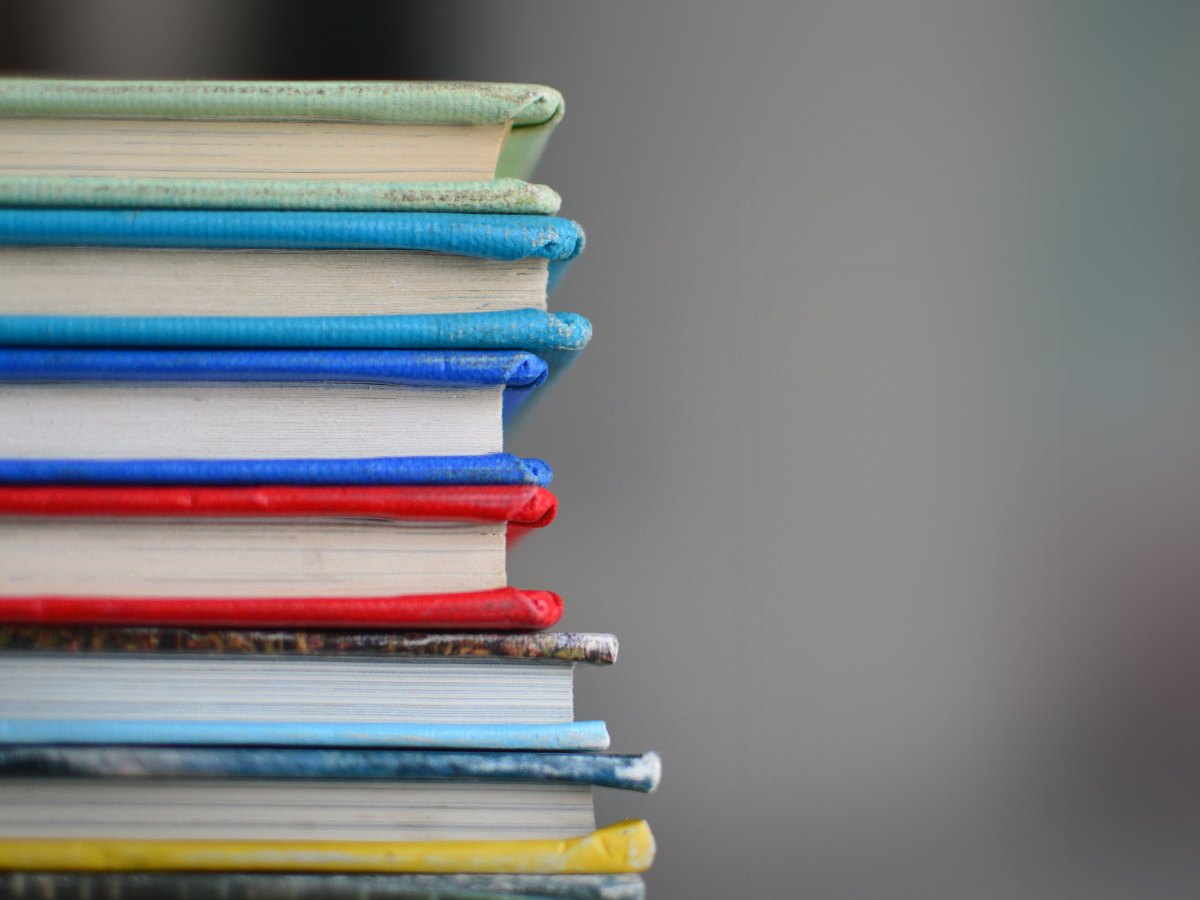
(259, 404)
(256, 144)
(271, 541)
(122, 685)
(261, 264)
(294, 886)
(90, 793)
(623, 847)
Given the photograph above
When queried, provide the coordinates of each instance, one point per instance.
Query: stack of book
(258, 344)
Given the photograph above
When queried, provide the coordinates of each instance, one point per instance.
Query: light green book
(444, 146)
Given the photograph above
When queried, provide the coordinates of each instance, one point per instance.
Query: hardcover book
(259, 404)
(267, 542)
(112, 685)
(263, 279)
(323, 145)
(294, 794)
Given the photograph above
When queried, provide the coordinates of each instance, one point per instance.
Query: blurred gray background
(883, 462)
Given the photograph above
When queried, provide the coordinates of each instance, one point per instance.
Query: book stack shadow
(259, 345)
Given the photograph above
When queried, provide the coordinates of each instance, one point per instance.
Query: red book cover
(522, 506)
(502, 609)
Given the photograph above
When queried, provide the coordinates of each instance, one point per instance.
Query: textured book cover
(514, 370)
(597, 649)
(493, 468)
(624, 771)
(291, 886)
(624, 847)
(509, 196)
(495, 237)
(521, 506)
(501, 609)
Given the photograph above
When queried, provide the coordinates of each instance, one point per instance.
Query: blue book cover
(518, 372)
(640, 772)
(462, 234)
(492, 468)
(566, 736)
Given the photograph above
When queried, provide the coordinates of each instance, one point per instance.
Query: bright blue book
(492, 468)
(305, 406)
(372, 280)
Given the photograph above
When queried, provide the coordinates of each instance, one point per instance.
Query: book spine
(502, 609)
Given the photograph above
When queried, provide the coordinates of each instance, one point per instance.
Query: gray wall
(882, 463)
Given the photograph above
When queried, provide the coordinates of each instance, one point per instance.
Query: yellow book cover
(624, 847)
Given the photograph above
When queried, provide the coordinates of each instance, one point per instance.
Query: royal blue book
(100, 277)
(491, 468)
(308, 407)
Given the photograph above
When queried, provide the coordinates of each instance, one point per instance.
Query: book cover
(623, 847)
(564, 736)
(639, 772)
(496, 237)
(500, 609)
(293, 886)
(502, 196)
(514, 370)
(596, 649)
(492, 468)
(521, 506)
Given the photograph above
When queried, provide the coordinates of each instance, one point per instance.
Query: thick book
(341, 145)
(624, 847)
(121, 685)
(172, 278)
(293, 886)
(136, 404)
(267, 542)
(144, 793)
